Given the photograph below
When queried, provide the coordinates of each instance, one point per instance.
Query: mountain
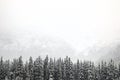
(104, 52)
(113, 53)
(26, 46)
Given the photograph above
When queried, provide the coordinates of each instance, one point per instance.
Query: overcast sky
(80, 23)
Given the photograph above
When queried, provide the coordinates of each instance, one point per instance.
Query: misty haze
(59, 40)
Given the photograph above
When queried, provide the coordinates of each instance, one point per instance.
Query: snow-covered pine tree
(55, 70)
(119, 71)
(38, 69)
(104, 71)
(13, 68)
(59, 69)
(68, 69)
(112, 70)
(46, 69)
(62, 68)
(97, 72)
(67, 75)
(4, 69)
(71, 74)
(30, 68)
(91, 71)
(77, 70)
(85, 67)
(19, 68)
(26, 72)
(116, 72)
(7, 68)
(51, 67)
(2, 72)
(81, 72)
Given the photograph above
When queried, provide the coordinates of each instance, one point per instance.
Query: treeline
(60, 69)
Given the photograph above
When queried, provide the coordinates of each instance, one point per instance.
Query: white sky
(81, 23)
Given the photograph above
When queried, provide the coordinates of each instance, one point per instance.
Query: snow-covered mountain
(27, 45)
(104, 52)
(113, 52)
(12, 47)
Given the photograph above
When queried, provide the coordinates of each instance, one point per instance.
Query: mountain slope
(104, 52)
(33, 46)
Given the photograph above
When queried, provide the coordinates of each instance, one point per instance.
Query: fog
(77, 25)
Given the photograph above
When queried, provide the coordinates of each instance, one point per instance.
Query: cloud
(34, 46)
(80, 23)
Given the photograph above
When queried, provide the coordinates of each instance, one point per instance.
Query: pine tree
(97, 72)
(26, 71)
(7, 68)
(2, 72)
(71, 74)
(91, 71)
(51, 67)
(64, 71)
(13, 68)
(55, 70)
(20, 68)
(59, 69)
(112, 72)
(118, 71)
(38, 69)
(104, 73)
(85, 70)
(25, 75)
(81, 72)
(66, 68)
(77, 71)
(30, 68)
(46, 69)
